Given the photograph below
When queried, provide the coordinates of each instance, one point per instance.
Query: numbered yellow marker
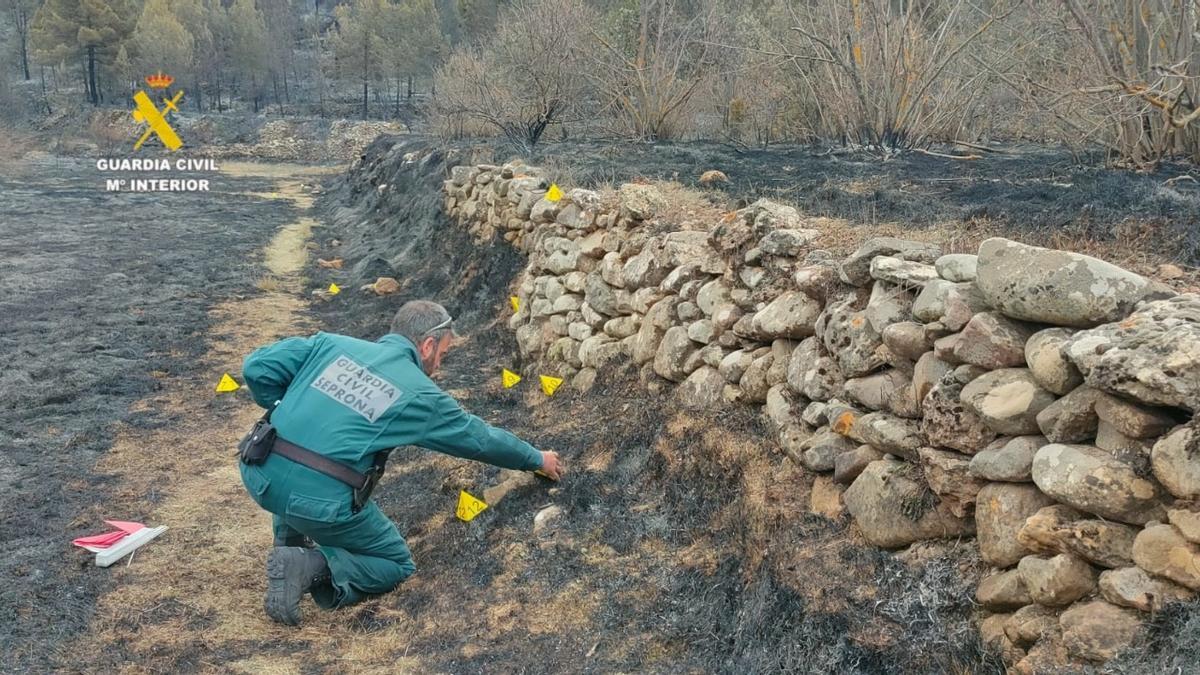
(551, 384)
(515, 302)
(227, 384)
(508, 378)
(334, 290)
(554, 193)
(468, 506)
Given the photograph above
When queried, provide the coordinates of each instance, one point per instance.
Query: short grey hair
(416, 318)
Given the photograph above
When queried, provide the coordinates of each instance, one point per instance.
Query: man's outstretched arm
(269, 370)
(454, 431)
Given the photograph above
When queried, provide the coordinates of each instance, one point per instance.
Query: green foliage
(246, 32)
(161, 41)
(62, 29)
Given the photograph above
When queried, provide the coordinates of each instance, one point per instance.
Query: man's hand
(551, 467)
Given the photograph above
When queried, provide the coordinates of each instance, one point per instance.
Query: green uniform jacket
(348, 399)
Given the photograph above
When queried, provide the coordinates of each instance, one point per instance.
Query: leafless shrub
(884, 73)
(1124, 74)
(526, 78)
(649, 62)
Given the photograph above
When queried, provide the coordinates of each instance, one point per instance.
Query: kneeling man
(338, 405)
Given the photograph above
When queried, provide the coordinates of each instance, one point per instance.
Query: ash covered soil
(685, 543)
(101, 295)
(1035, 193)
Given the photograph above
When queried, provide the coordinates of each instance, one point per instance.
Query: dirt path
(203, 581)
(115, 312)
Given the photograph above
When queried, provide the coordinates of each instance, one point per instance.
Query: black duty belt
(320, 463)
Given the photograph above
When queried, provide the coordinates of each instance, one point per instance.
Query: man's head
(429, 326)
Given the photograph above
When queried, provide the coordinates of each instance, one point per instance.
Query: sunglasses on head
(448, 323)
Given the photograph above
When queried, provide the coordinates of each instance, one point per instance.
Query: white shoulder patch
(357, 388)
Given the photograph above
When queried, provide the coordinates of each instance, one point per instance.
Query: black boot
(291, 572)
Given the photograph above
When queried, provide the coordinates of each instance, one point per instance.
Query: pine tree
(163, 44)
(418, 45)
(91, 30)
(360, 47)
(21, 11)
(194, 16)
(247, 43)
(123, 68)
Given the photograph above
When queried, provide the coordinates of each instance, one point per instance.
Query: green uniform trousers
(366, 553)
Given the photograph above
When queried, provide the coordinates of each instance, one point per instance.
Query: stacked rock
(1037, 399)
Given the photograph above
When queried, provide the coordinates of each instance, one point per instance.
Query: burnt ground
(685, 545)
(1037, 194)
(101, 295)
(687, 542)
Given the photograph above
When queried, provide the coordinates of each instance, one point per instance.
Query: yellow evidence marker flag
(515, 302)
(554, 193)
(508, 378)
(468, 506)
(334, 290)
(550, 384)
(227, 384)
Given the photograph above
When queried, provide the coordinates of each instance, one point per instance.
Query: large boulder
(599, 351)
(809, 372)
(947, 475)
(1057, 287)
(735, 364)
(906, 339)
(850, 338)
(848, 466)
(702, 389)
(823, 449)
(893, 509)
(902, 272)
(891, 434)
(1000, 513)
(930, 303)
(787, 242)
(790, 315)
(674, 355)
(887, 305)
(1028, 624)
(654, 326)
(962, 302)
(712, 295)
(957, 266)
(1098, 631)
(1007, 400)
(602, 297)
(889, 390)
(1003, 592)
(856, 269)
(1061, 529)
(1007, 459)
(1094, 481)
(1057, 581)
(1049, 364)
(755, 381)
(1153, 356)
(1175, 460)
(1162, 550)
(992, 340)
(928, 371)
(1132, 587)
(1072, 418)
(947, 422)
(1133, 420)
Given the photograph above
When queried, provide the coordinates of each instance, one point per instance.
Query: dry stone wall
(1042, 401)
